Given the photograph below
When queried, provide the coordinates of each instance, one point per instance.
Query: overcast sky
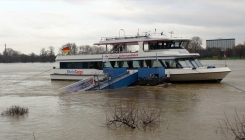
(30, 25)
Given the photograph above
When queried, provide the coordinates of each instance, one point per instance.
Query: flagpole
(225, 56)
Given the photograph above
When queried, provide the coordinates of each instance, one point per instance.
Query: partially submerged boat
(149, 50)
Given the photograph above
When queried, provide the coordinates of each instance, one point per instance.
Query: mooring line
(32, 76)
(234, 87)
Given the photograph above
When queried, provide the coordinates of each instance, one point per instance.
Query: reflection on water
(192, 110)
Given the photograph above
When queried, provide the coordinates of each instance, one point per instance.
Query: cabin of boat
(133, 52)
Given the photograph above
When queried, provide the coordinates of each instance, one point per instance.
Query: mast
(172, 32)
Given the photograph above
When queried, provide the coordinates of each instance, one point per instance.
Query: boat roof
(138, 38)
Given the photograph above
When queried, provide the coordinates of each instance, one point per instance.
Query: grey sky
(29, 25)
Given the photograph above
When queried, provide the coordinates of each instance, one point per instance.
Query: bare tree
(32, 57)
(128, 113)
(43, 55)
(73, 49)
(11, 55)
(51, 54)
(195, 44)
(85, 49)
(234, 127)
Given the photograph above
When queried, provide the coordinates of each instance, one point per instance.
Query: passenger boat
(151, 50)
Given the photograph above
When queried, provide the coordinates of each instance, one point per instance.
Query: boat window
(107, 65)
(156, 63)
(146, 46)
(98, 65)
(185, 43)
(130, 64)
(198, 63)
(148, 63)
(169, 63)
(172, 63)
(175, 45)
(193, 63)
(80, 65)
(90, 65)
(183, 63)
(136, 64)
(133, 48)
(166, 63)
(165, 45)
(189, 63)
(125, 64)
(162, 63)
(63, 65)
(160, 45)
(142, 63)
(116, 64)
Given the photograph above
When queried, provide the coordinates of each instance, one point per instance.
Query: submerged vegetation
(234, 126)
(15, 110)
(129, 114)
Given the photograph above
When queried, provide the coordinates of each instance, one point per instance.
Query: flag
(66, 49)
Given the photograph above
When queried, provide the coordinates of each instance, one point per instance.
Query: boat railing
(96, 53)
(146, 34)
(117, 38)
(107, 79)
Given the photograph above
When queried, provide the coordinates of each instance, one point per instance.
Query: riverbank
(228, 58)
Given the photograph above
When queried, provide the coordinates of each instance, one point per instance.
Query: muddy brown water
(193, 111)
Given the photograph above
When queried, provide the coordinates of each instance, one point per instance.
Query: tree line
(11, 56)
(48, 55)
(83, 49)
(195, 46)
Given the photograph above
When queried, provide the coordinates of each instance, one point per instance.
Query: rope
(234, 87)
(32, 76)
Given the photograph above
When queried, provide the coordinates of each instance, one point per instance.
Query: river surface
(193, 111)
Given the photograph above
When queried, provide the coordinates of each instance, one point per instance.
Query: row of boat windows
(165, 45)
(175, 44)
(167, 63)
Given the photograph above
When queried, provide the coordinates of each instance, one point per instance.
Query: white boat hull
(175, 75)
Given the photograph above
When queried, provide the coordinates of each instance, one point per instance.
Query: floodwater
(192, 111)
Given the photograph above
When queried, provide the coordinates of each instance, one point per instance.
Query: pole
(225, 56)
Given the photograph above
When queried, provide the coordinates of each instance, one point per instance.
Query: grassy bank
(228, 58)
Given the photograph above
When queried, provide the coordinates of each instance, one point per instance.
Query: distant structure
(221, 43)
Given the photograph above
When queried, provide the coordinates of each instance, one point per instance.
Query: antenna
(146, 33)
(123, 32)
(172, 32)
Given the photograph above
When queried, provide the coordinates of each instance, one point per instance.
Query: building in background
(221, 43)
